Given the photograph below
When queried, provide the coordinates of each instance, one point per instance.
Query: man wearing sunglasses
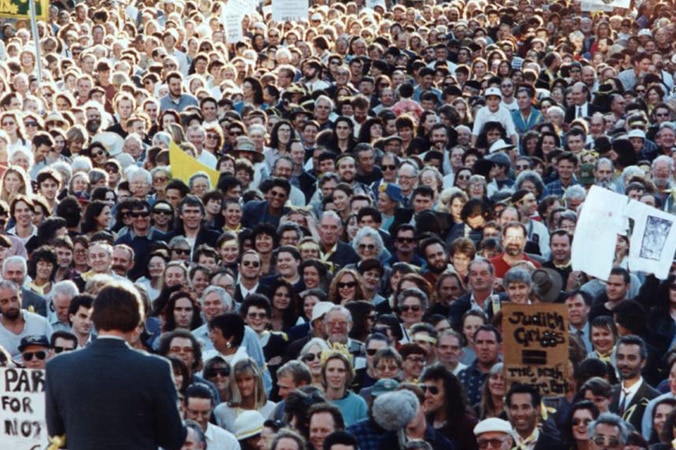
(493, 433)
(34, 351)
(608, 432)
(140, 237)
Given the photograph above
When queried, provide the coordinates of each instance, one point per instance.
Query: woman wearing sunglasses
(411, 305)
(581, 415)
(346, 285)
(310, 355)
(217, 371)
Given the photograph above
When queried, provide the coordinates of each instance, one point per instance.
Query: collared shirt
(219, 439)
(527, 443)
(627, 394)
(179, 104)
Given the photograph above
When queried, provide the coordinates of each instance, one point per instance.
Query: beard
(512, 250)
(661, 182)
(607, 184)
(93, 126)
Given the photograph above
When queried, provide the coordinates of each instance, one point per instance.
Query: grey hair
(663, 158)
(81, 164)
(517, 275)
(5, 284)
(134, 172)
(533, 177)
(319, 342)
(160, 169)
(15, 259)
(341, 309)
(393, 410)
(604, 161)
(576, 192)
(162, 137)
(630, 172)
(412, 292)
(612, 420)
(368, 232)
(327, 99)
(557, 110)
(222, 294)
(22, 152)
(65, 287)
(197, 429)
(197, 175)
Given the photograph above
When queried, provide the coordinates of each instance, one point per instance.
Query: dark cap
(27, 341)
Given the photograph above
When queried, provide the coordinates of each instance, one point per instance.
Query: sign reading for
(22, 409)
(536, 346)
(20, 9)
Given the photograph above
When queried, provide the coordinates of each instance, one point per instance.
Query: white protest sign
(653, 240)
(603, 4)
(232, 20)
(371, 4)
(22, 409)
(290, 10)
(603, 217)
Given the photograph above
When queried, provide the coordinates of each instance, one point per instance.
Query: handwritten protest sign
(535, 343)
(290, 10)
(22, 409)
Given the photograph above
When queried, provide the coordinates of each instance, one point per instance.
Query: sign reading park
(22, 409)
(20, 9)
(535, 344)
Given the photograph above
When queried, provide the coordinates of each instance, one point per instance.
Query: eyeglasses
(389, 368)
(388, 167)
(58, 349)
(30, 124)
(608, 441)
(577, 421)
(413, 308)
(417, 360)
(160, 179)
(661, 114)
(371, 351)
(144, 214)
(260, 315)
(506, 85)
(212, 373)
(463, 177)
(28, 356)
(434, 390)
(405, 240)
(492, 443)
(575, 70)
(309, 357)
(181, 251)
(251, 264)
(349, 284)
(164, 212)
(278, 194)
(522, 167)
(369, 247)
(640, 91)
(8, 124)
(112, 169)
(212, 136)
(97, 154)
(235, 132)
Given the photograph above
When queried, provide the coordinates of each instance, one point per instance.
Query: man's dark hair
(370, 211)
(623, 272)
(490, 328)
(340, 437)
(338, 420)
(117, 307)
(634, 340)
(454, 394)
(281, 183)
(198, 390)
(518, 388)
(179, 185)
(69, 208)
(62, 334)
(165, 345)
(85, 300)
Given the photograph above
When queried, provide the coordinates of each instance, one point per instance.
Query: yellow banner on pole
(183, 166)
(20, 9)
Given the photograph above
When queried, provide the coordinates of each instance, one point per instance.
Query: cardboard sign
(535, 345)
(20, 9)
(22, 409)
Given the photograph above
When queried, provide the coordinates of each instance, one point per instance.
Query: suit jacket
(548, 442)
(572, 110)
(33, 302)
(633, 413)
(109, 396)
(343, 256)
(204, 236)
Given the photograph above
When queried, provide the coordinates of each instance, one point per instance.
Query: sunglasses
(8, 124)
(406, 308)
(309, 357)
(434, 390)
(97, 154)
(136, 215)
(162, 211)
(349, 284)
(260, 315)
(369, 247)
(388, 167)
(577, 421)
(112, 169)
(58, 349)
(251, 264)
(160, 179)
(30, 124)
(181, 251)
(371, 351)
(526, 167)
(405, 240)
(235, 133)
(28, 356)
(608, 441)
(278, 194)
(212, 373)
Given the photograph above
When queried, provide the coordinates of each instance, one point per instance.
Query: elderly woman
(311, 356)
(199, 184)
(368, 244)
(530, 181)
(411, 305)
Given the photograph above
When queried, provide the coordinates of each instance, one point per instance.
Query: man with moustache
(513, 242)
(604, 175)
(436, 257)
(16, 323)
(268, 211)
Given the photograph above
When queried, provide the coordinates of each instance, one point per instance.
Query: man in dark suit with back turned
(109, 396)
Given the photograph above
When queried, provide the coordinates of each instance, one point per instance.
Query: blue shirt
(178, 105)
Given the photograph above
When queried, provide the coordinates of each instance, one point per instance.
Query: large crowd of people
(386, 179)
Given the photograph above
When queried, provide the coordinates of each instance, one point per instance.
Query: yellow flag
(183, 166)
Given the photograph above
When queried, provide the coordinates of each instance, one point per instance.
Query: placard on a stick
(22, 409)
(535, 345)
